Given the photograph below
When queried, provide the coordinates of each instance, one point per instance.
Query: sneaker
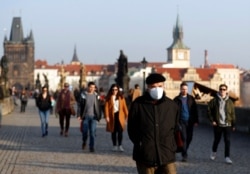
(83, 145)
(120, 148)
(115, 148)
(213, 156)
(228, 160)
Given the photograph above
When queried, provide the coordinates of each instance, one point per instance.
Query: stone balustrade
(242, 117)
(7, 105)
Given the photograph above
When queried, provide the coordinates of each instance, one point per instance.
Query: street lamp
(144, 65)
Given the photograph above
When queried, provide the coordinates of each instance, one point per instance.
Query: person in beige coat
(116, 114)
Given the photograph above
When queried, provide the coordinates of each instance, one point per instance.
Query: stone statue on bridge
(122, 78)
(46, 81)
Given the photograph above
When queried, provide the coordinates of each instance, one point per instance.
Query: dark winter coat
(192, 108)
(151, 128)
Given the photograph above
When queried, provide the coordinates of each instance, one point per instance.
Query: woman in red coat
(116, 114)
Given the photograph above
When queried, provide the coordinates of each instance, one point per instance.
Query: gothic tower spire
(178, 54)
(75, 59)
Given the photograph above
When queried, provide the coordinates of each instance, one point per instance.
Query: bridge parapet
(7, 105)
(242, 117)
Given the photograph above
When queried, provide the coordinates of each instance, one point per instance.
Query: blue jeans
(89, 124)
(44, 117)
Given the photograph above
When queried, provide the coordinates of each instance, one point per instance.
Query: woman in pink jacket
(116, 114)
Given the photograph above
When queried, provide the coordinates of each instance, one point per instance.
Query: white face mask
(156, 93)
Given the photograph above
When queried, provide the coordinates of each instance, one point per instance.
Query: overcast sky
(141, 28)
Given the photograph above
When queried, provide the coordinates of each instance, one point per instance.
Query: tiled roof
(71, 68)
(218, 65)
(178, 73)
(174, 73)
(206, 73)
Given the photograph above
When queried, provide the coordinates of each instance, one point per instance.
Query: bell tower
(178, 54)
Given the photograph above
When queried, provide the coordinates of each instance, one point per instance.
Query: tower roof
(16, 34)
(75, 58)
(178, 36)
(31, 37)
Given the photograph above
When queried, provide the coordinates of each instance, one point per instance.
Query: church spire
(75, 59)
(178, 36)
(31, 37)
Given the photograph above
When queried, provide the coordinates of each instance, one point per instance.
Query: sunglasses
(223, 89)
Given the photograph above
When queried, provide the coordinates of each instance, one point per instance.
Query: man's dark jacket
(81, 106)
(192, 108)
(151, 128)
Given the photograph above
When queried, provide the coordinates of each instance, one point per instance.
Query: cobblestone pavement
(24, 151)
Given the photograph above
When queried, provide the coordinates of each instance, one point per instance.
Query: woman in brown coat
(116, 114)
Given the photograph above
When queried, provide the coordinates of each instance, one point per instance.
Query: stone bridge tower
(20, 52)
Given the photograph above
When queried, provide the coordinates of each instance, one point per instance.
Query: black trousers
(117, 134)
(187, 135)
(64, 114)
(218, 131)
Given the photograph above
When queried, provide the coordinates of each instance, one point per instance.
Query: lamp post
(144, 65)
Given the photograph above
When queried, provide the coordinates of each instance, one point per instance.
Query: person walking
(102, 99)
(65, 101)
(116, 114)
(88, 112)
(24, 100)
(221, 113)
(44, 105)
(152, 121)
(136, 92)
(188, 117)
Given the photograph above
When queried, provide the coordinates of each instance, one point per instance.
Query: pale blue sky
(141, 28)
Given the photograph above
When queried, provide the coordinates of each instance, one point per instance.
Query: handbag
(179, 141)
(72, 109)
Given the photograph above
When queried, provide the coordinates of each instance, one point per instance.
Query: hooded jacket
(151, 128)
(214, 112)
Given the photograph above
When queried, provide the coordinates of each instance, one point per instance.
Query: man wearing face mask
(152, 121)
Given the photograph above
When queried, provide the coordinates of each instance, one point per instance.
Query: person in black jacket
(43, 103)
(152, 121)
(188, 117)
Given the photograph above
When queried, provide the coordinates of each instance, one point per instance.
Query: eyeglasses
(223, 89)
(115, 89)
